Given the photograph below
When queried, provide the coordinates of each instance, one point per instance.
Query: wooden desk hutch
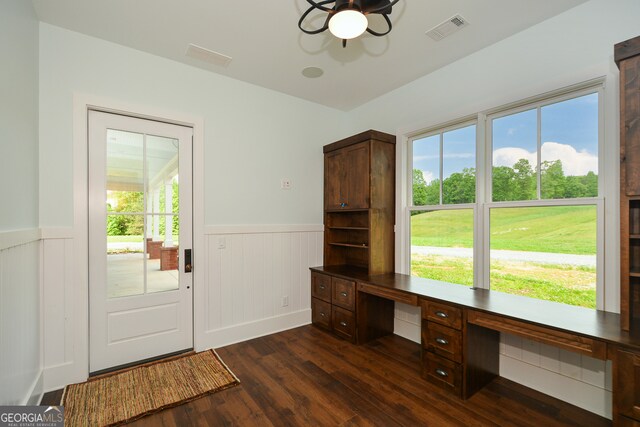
(354, 292)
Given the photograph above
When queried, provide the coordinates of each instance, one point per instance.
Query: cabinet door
(357, 165)
(334, 179)
(627, 384)
(630, 125)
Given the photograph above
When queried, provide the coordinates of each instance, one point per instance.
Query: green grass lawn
(556, 229)
(560, 283)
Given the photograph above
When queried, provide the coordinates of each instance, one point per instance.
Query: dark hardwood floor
(306, 377)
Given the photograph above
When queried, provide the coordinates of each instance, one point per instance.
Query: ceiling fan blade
(312, 8)
(375, 33)
(378, 6)
(320, 5)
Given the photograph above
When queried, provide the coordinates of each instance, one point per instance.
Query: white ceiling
(269, 50)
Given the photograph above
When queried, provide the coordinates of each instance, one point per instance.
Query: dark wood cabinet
(627, 56)
(346, 176)
(442, 345)
(626, 384)
(359, 219)
(333, 305)
(359, 200)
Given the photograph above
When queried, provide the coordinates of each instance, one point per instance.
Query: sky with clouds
(569, 132)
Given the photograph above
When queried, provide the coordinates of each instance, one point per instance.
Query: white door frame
(82, 103)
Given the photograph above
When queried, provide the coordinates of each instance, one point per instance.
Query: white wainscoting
(250, 270)
(58, 290)
(20, 318)
(240, 296)
(579, 380)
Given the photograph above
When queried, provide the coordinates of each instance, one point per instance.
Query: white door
(140, 232)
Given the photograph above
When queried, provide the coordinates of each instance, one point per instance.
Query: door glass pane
(459, 166)
(569, 131)
(163, 204)
(546, 252)
(141, 256)
(515, 156)
(426, 171)
(162, 251)
(124, 198)
(442, 245)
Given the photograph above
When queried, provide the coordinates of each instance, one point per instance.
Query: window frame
(484, 169)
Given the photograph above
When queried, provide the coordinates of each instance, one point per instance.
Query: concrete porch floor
(125, 275)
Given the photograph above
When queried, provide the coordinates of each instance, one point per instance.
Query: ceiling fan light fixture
(348, 24)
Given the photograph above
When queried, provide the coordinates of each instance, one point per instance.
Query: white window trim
(484, 165)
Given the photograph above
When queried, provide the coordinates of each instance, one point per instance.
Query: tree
(419, 188)
(553, 183)
(503, 177)
(460, 187)
(524, 181)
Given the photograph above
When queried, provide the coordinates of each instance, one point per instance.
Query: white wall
(573, 47)
(18, 116)
(253, 137)
(20, 301)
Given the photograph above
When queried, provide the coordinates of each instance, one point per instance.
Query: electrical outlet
(285, 184)
(285, 300)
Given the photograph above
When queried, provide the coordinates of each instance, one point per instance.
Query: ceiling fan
(347, 19)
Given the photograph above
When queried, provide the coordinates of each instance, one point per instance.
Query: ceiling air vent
(447, 28)
(207, 55)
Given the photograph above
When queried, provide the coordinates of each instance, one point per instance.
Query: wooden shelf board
(361, 228)
(350, 245)
(634, 273)
(634, 236)
(345, 210)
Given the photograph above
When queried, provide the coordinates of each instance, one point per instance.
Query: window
(443, 194)
(535, 210)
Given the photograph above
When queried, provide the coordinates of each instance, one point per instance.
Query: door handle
(188, 266)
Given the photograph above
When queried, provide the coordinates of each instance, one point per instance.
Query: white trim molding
(13, 238)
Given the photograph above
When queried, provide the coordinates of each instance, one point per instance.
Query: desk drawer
(344, 323)
(344, 293)
(442, 372)
(444, 314)
(321, 313)
(566, 340)
(387, 293)
(442, 340)
(321, 286)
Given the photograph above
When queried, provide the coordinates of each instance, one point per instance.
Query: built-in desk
(461, 329)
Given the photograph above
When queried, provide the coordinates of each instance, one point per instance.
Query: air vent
(207, 55)
(447, 28)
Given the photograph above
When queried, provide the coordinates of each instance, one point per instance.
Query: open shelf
(350, 245)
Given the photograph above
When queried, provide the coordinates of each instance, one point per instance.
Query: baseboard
(59, 376)
(34, 396)
(578, 393)
(407, 330)
(246, 331)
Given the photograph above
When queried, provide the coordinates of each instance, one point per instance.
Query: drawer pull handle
(442, 314)
(442, 373)
(344, 294)
(322, 287)
(343, 323)
(323, 315)
(442, 341)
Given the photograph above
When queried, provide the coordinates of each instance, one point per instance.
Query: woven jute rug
(123, 396)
